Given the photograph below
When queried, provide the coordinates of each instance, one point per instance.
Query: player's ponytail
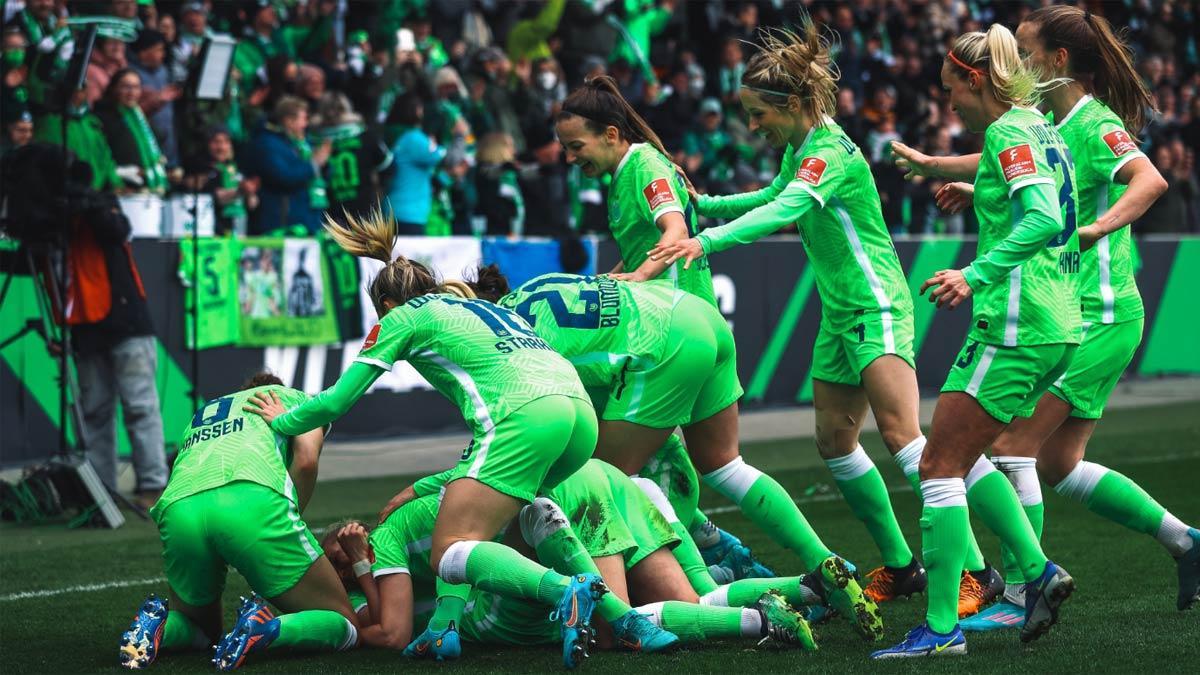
(600, 104)
(1098, 58)
(490, 283)
(994, 55)
(795, 64)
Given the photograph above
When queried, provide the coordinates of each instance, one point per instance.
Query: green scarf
(152, 158)
(229, 178)
(317, 199)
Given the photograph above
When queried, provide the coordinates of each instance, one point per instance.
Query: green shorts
(1007, 381)
(249, 526)
(494, 619)
(1103, 355)
(533, 449)
(587, 499)
(693, 379)
(650, 528)
(841, 357)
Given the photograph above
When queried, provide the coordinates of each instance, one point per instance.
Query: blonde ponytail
(368, 236)
(995, 54)
(795, 64)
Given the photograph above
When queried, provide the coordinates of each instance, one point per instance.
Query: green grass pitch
(1122, 619)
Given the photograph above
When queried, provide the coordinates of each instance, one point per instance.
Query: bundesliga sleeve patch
(372, 338)
(1119, 142)
(657, 193)
(1017, 161)
(811, 169)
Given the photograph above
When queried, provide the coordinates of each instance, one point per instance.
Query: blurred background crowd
(440, 110)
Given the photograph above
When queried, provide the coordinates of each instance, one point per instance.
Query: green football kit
(826, 189)
(645, 187)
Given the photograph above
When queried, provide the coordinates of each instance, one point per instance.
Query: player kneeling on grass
(234, 498)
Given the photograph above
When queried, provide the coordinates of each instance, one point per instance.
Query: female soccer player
(863, 355)
(235, 498)
(532, 420)
(1024, 329)
(1096, 98)
(659, 358)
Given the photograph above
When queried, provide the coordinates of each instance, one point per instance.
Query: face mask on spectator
(13, 58)
(547, 79)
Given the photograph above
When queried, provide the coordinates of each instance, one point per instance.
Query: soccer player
(1025, 326)
(235, 498)
(1095, 98)
(532, 421)
(656, 358)
(863, 354)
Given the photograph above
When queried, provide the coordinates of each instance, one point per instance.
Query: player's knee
(733, 480)
(941, 465)
(449, 557)
(1054, 470)
(895, 437)
(540, 519)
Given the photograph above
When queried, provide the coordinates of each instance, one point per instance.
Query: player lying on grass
(532, 421)
(234, 499)
(1095, 97)
(655, 357)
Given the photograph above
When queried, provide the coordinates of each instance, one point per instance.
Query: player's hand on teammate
(693, 195)
(405, 496)
(955, 197)
(266, 405)
(634, 276)
(688, 249)
(912, 161)
(950, 288)
(1088, 236)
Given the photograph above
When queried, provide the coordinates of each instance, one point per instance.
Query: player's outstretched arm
(916, 163)
(321, 409)
(674, 229)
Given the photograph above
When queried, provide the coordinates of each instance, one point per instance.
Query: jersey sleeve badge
(1119, 142)
(1017, 161)
(811, 169)
(372, 338)
(657, 193)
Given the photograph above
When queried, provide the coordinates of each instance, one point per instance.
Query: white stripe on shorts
(981, 368)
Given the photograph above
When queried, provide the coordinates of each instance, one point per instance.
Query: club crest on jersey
(811, 169)
(1017, 161)
(657, 193)
(372, 338)
(1119, 142)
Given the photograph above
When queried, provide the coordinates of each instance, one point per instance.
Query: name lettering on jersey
(1119, 142)
(1046, 134)
(657, 193)
(811, 169)
(215, 431)
(514, 343)
(372, 338)
(1068, 262)
(1017, 161)
(610, 302)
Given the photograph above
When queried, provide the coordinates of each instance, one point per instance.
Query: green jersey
(599, 324)
(825, 187)
(1024, 293)
(484, 358)
(645, 187)
(402, 545)
(1101, 147)
(219, 319)
(223, 445)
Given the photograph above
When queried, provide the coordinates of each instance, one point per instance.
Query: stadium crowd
(440, 109)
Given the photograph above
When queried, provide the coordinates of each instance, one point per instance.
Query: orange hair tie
(950, 55)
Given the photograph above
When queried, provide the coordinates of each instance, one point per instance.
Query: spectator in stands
(49, 50)
(170, 32)
(14, 91)
(135, 149)
(1170, 213)
(310, 85)
(123, 9)
(543, 182)
(364, 73)
(18, 132)
(446, 121)
(216, 173)
(729, 75)
(85, 138)
(433, 54)
(359, 158)
(500, 209)
(159, 91)
(107, 58)
(293, 192)
(528, 38)
(492, 92)
(193, 30)
(709, 152)
(640, 21)
(548, 89)
(410, 196)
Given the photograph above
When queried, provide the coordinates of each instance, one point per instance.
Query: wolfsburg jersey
(1101, 147)
(599, 324)
(1038, 302)
(222, 445)
(484, 358)
(401, 545)
(645, 187)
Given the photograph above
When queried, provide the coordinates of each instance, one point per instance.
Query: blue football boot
(574, 612)
(441, 646)
(1188, 565)
(139, 644)
(255, 629)
(921, 641)
(1043, 597)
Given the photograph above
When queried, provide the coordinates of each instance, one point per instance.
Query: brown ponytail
(1098, 57)
(490, 283)
(600, 104)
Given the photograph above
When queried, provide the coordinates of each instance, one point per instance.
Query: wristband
(362, 567)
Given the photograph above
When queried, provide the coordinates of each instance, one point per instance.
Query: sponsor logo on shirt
(1017, 161)
(372, 338)
(1119, 142)
(657, 193)
(811, 169)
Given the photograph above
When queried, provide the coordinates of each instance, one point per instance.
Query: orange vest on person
(87, 295)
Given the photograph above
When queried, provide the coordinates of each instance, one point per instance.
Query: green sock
(693, 623)
(994, 499)
(1012, 571)
(862, 486)
(451, 601)
(180, 633)
(316, 629)
(499, 569)
(690, 560)
(746, 592)
(1123, 501)
(770, 507)
(698, 518)
(973, 562)
(945, 524)
(563, 551)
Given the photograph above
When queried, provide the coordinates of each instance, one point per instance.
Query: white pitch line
(82, 588)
